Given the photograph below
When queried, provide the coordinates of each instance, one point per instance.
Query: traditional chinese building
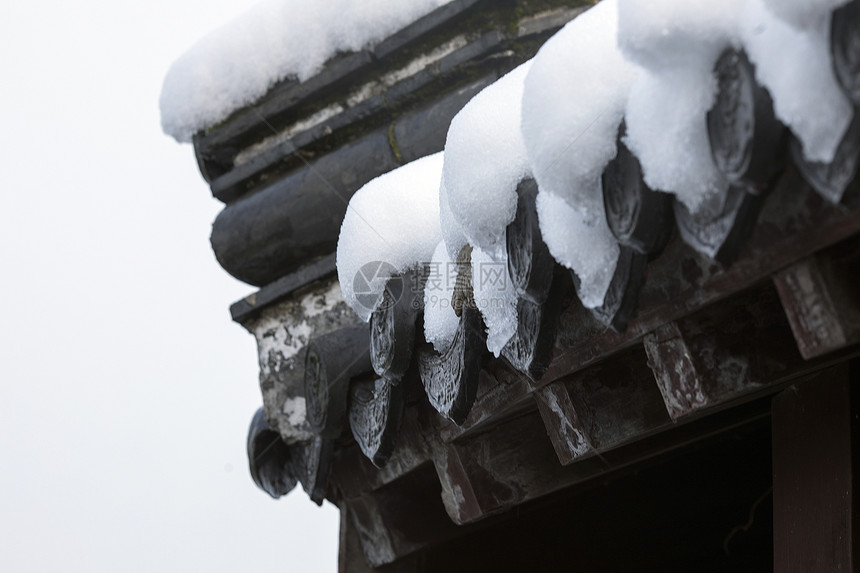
(703, 417)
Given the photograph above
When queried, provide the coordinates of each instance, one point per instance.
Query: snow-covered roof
(391, 226)
(571, 110)
(485, 159)
(540, 197)
(277, 39)
(557, 118)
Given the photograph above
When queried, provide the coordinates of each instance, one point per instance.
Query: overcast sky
(125, 389)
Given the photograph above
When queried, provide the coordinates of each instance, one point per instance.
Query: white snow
(440, 320)
(555, 118)
(794, 64)
(802, 13)
(393, 219)
(580, 239)
(573, 103)
(495, 297)
(453, 235)
(667, 132)
(485, 159)
(677, 43)
(493, 292)
(275, 40)
(663, 34)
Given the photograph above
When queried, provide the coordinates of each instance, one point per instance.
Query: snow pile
(452, 233)
(485, 159)
(493, 293)
(573, 103)
(495, 297)
(391, 225)
(579, 238)
(801, 13)
(677, 43)
(236, 65)
(793, 61)
(663, 34)
(440, 320)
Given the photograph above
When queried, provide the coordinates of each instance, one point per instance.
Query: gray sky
(125, 389)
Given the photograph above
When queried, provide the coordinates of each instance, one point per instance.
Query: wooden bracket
(722, 353)
(401, 517)
(821, 298)
(566, 431)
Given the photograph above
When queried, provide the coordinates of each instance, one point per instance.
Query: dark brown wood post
(814, 452)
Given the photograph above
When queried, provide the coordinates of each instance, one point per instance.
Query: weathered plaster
(283, 332)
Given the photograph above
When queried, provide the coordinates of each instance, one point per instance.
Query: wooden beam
(794, 224)
(350, 554)
(722, 353)
(563, 426)
(814, 481)
(497, 470)
(402, 517)
(602, 407)
(675, 371)
(821, 297)
(617, 401)
(512, 463)
(461, 493)
(373, 535)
